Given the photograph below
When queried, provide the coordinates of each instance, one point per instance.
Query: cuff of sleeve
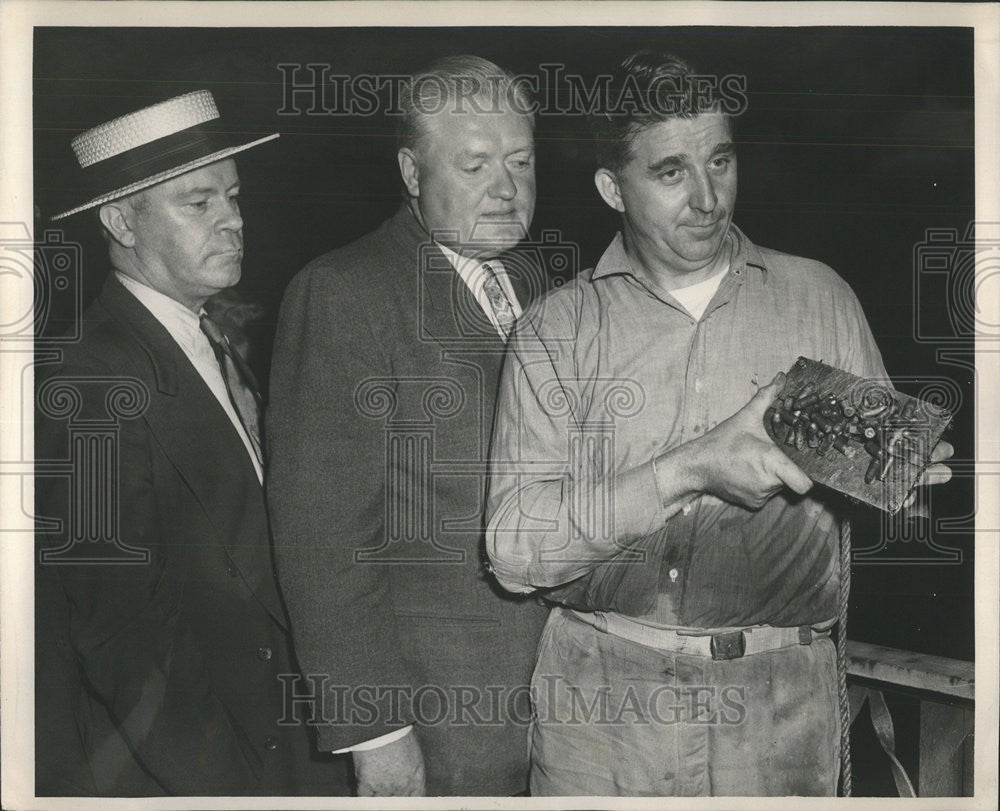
(639, 508)
(375, 743)
(513, 586)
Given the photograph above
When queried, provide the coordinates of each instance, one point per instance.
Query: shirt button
(697, 385)
(264, 654)
(674, 574)
(697, 429)
(231, 570)
(270, 743)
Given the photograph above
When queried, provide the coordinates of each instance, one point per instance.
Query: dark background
(855, 142)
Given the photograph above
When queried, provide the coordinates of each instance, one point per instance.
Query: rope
(845, 707)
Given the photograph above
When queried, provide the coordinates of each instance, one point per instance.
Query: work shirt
(607, 373)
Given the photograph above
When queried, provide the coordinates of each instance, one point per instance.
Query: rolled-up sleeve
(556, 507)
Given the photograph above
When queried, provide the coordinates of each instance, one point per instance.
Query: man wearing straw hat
(160, 649)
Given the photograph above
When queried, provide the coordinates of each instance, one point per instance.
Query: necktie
(240, 382)
(499, 302)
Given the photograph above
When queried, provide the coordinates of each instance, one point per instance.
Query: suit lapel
(197, 436)
(448, 313)
(451, 314)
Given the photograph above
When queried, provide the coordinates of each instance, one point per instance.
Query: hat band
(150, 159)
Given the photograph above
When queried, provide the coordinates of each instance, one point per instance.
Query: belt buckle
(730, 645)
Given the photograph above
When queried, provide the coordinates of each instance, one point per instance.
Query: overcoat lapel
(181, 427)
(447, 311)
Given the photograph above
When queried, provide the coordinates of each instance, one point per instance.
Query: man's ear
(117, 220)
(608, 188)
(409, 170)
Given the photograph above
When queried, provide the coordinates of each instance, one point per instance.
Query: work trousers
(616, 718)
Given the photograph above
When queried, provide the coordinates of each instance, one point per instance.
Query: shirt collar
(468, 267)
(458, 261)
(182, 324)
(745, 256)
(474, 273)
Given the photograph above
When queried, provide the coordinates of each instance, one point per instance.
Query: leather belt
(720, 646)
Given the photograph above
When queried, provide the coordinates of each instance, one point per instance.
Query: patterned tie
(499, 302)
(240, 383)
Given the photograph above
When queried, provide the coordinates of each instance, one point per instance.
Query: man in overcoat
(384, 378)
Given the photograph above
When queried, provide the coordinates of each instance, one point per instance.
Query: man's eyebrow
(669, 162)
(204, 191)
(197, 190)
(675, 161)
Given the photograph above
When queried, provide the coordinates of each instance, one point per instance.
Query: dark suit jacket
(382, 392)
(160, 677)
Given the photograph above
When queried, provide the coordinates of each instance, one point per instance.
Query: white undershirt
(695, 298)
(184, 327)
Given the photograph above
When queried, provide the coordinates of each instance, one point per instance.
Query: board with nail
(859, 436)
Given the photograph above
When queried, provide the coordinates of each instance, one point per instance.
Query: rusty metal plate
(860, 437)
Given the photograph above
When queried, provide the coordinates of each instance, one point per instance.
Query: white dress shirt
(184, 327)
(475, 275)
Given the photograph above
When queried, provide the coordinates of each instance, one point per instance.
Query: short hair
(652, 87)
(451, 84)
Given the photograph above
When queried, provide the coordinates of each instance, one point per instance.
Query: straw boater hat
(144, 148)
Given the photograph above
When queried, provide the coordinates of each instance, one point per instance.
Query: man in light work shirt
(633, 479)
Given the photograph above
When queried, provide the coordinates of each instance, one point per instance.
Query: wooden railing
(946, 690)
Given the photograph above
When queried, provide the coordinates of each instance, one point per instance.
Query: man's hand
(935, 473)
(737, 461)
(393, 770)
